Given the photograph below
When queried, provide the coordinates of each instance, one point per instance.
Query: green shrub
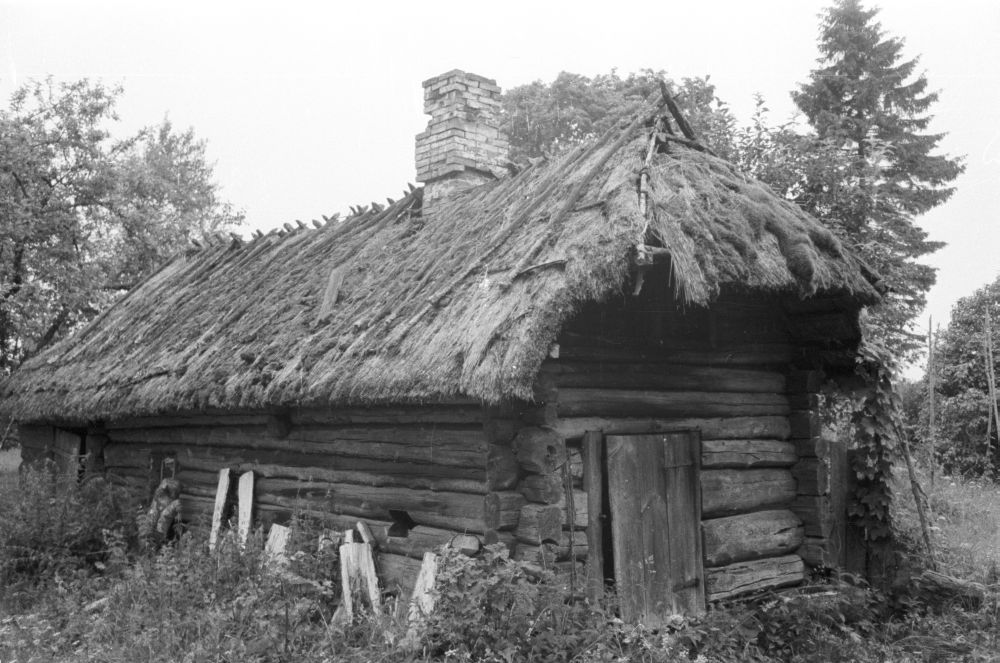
(493, 608)
(52, 525)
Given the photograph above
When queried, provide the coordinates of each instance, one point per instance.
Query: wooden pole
(932, 438)
(593, 443)
(918, 499)
(992, 383)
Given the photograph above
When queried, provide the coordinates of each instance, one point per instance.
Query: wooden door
(655, 498)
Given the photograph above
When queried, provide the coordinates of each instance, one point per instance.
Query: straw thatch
(398, 306)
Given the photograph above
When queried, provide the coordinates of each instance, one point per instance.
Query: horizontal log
(753, 576)
(471, 413)
(820, 553)
(188, 473)
(813, 476)
(544, 389)
(212, 459)
(195, 509)
(417, 444)
(637, 375)
(500, 432)
(940, 589)
(802, 401)
(726, 492)
(502, 469)
(542, 415)
(502, 509)
(539, 450)
(776, 354)
(548, 553)
(817, 515)
(397, 573)
(208, 418)
(538, 524)
(544, 555)
(805, 382)
(542, 488)
(575, 402)
(751, 536)
(747, 454)
(718, 428)
(416, 542)
(456, 511)
(812, 447)
(805, 423)
(580, 510)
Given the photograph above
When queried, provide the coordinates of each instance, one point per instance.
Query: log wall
(418, 476)
(820, 474)
(638, 367)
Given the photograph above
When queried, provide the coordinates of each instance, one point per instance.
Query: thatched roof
(399, 306)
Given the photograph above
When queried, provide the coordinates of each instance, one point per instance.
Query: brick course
(463, 135)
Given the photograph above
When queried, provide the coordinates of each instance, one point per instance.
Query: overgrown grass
(112, 604)
(964, 523)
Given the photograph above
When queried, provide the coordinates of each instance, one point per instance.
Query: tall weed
(53, 526)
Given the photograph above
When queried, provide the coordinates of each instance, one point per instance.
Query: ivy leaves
(877, 432)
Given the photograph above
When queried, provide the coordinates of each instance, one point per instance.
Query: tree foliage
(867, 102)
(866, 167)
(541, 119)
(963, 395)
(84, 215)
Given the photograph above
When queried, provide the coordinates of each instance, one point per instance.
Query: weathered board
(218, 511)
(751, 536)
(653, 486)
(753, 576)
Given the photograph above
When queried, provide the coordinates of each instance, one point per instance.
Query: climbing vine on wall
(877, 429)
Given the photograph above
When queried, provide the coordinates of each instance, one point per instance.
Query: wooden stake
(221, 494)
(245, 507)
(274, 549)
(357, 574)
(421, 602)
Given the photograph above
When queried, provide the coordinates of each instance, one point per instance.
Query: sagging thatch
(398, 306)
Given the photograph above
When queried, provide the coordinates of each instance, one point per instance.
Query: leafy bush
(491, 608)
(52, 525)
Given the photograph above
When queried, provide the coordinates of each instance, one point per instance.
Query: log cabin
(609, 360)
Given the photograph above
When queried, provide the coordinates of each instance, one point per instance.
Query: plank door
(654, 493)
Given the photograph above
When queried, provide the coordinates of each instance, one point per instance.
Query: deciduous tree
(542, 118)
(965, 402)
(83, 215)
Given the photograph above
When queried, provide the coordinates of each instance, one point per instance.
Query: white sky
(310, 107)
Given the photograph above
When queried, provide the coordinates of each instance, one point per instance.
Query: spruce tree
(867, 101)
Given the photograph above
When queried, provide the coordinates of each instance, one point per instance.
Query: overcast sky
(310, 107)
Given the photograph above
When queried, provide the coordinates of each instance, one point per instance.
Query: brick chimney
(463, 145)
